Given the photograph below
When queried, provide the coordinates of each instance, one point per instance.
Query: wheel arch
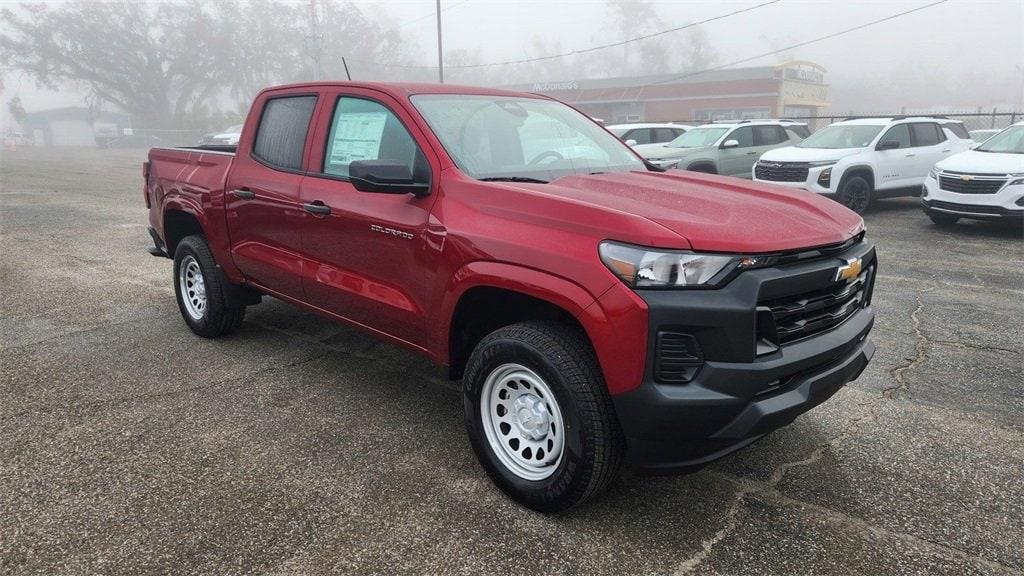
(706, 166)
(865, 170)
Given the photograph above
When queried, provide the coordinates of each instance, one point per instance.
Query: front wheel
(539, 417)
(855, 193)
(199, 289)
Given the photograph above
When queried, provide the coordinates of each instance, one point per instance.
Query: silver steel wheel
(522, 421)
(193, 287)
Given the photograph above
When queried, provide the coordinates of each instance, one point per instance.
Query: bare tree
(174, 63)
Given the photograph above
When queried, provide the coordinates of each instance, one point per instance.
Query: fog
(958, 55)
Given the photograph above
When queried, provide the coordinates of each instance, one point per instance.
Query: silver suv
(729, 148)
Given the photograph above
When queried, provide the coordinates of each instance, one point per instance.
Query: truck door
(264, 214)
(368, 253)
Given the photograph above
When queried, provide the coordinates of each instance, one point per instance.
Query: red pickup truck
(598, 310)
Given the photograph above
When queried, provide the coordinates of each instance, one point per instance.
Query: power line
(621, 42)
(431, 15)
(572, 52)
(798, 45)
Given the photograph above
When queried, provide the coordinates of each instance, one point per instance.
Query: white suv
(649, 133)
(984, 183)
(857, 161)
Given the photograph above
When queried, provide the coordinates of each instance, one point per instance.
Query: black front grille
(781, 171)
(966, 208)
(974, 184)
(809, 313)
(678, 357)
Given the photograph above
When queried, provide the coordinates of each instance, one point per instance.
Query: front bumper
(1002, 204)
(811, 183)
(737, 395)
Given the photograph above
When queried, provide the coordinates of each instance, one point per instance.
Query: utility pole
(440, 53)
(314, 38)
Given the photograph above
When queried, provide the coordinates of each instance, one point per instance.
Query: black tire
(855, 193)
(218, 318)
(593, 443)
(943, 220)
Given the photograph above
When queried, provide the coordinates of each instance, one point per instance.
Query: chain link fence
(972, 120)
(150, 138)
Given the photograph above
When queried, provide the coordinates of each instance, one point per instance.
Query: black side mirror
(386, 176)
(888, 145)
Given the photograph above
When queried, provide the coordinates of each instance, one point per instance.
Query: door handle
(947, 149)
(317, 207)
(751, 153)
(244, 194)
(911, 155)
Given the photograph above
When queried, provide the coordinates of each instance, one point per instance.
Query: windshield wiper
(513, 179)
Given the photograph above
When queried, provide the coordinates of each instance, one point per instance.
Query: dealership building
(792, 89)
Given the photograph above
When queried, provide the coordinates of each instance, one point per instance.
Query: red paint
(537, 239)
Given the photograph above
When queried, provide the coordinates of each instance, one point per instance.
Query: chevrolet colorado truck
(598, 311)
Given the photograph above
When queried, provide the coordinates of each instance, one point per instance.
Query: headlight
(821, 163)
(649, 268)
(825, 178)
(934, 174)
(1017, 180)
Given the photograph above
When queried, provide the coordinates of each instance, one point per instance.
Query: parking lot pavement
(128, 445)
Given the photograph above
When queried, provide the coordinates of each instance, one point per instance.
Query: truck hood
(656, 151)
(795, 154)
(715, 213)
(975, 162)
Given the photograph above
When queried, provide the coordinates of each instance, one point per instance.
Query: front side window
(1009, 141)
(744, 135)
(281, 135)
(899, 133)
(503, 137)
(839, 136)
(641, 135)
(366, 130)
(926, 134)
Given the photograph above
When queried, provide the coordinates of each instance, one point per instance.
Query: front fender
(618, 334)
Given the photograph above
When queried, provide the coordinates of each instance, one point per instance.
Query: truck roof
(405, 89)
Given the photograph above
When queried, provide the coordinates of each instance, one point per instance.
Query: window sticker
(357, 136)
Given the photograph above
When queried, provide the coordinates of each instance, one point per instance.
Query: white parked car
(858, 161)
(729, 148)
(650, 133)
(229, 137)
(984, 183)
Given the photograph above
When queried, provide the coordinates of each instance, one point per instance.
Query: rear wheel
(705, 168)
(944, 220)
(539, 416)
(200, 290)
(855, 193)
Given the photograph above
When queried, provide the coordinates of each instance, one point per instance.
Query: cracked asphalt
(298, 446)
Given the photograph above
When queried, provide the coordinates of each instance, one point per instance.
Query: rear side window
(769, 135)
(281, 135)
(666, 134)
(927, 134)
(957, 129)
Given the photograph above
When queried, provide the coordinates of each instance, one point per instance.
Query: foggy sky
(953, 56)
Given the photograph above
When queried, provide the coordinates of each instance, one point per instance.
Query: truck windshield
(500, 137)
(697, 138)
(846, 136)
(1009, 141)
